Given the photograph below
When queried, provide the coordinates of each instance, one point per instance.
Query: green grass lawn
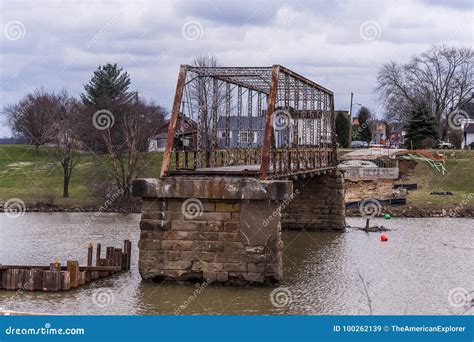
(458, 179)
(38, 179)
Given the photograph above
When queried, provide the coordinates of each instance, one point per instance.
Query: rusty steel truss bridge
(264, 122)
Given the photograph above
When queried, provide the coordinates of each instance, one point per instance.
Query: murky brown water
(412, 273)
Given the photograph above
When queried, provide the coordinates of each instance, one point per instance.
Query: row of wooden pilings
(63, 278)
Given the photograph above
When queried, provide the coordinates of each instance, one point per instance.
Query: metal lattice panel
(268, 119)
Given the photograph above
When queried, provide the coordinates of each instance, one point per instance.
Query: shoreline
(406, 211)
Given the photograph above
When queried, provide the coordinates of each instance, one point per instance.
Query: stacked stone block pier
(317, 204)
(228, 229)
(218, 229)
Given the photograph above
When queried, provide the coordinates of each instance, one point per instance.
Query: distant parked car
(356, 163)
(359, 144)
(445, 145)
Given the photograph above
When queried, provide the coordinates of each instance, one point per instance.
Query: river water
(414, 272)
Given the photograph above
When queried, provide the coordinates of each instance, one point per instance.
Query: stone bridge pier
(228, 229)
(317, 203)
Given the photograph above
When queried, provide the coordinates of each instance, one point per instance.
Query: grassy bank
(458, 179)
(38, 179)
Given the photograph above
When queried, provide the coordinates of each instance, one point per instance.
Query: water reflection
(411, 273)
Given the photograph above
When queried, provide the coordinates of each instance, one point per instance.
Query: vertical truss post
(296, 111)
(286, 130)
(249, 113)
(333, 132)
(312, 117)
(319, 122)
(227, 114)
(215, 104)
(239, 117)
(259, 119)
(173, 120)
(267, 139)
(305, 114)
(200, 147)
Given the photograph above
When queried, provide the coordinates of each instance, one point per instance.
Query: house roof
(184, 124)
(469, 128)
(468, 107)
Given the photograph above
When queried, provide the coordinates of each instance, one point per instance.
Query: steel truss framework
(265, 121)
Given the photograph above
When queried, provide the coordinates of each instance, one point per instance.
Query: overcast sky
(339, 44)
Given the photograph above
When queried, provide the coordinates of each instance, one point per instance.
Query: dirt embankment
(383, 189)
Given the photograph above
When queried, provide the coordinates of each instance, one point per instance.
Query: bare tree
(32, 117)
(442, 77)
(209, 99)
(63, 136)
(128, 140)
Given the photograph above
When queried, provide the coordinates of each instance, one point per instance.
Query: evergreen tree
(363, 131)
(420, 126)
(106, 91)
(342, 129)
(108, 83)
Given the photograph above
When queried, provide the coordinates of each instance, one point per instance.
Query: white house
(468, 125)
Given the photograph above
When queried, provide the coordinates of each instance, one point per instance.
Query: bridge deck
(251, 170)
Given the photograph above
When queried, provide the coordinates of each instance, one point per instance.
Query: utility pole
(350, 121)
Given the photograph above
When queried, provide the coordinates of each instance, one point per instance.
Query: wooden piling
(97, 254)
(73, 269)
(90, 250)
(36, 279)
(65, 280)
(62, 278)
(127, 247)
(109, 254)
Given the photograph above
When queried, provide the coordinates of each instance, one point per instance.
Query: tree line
(421, 97)
(425, 94)
(108, 118)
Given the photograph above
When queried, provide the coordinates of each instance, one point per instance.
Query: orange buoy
(383, 237)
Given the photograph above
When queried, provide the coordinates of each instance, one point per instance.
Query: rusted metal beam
(304, 79)
(173, 121)
(267, 138)
(333, 133)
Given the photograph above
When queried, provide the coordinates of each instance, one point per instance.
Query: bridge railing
(265, 121)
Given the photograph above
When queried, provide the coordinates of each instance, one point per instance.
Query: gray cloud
(63, 42)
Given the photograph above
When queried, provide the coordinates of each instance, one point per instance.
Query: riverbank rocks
(219, 229)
